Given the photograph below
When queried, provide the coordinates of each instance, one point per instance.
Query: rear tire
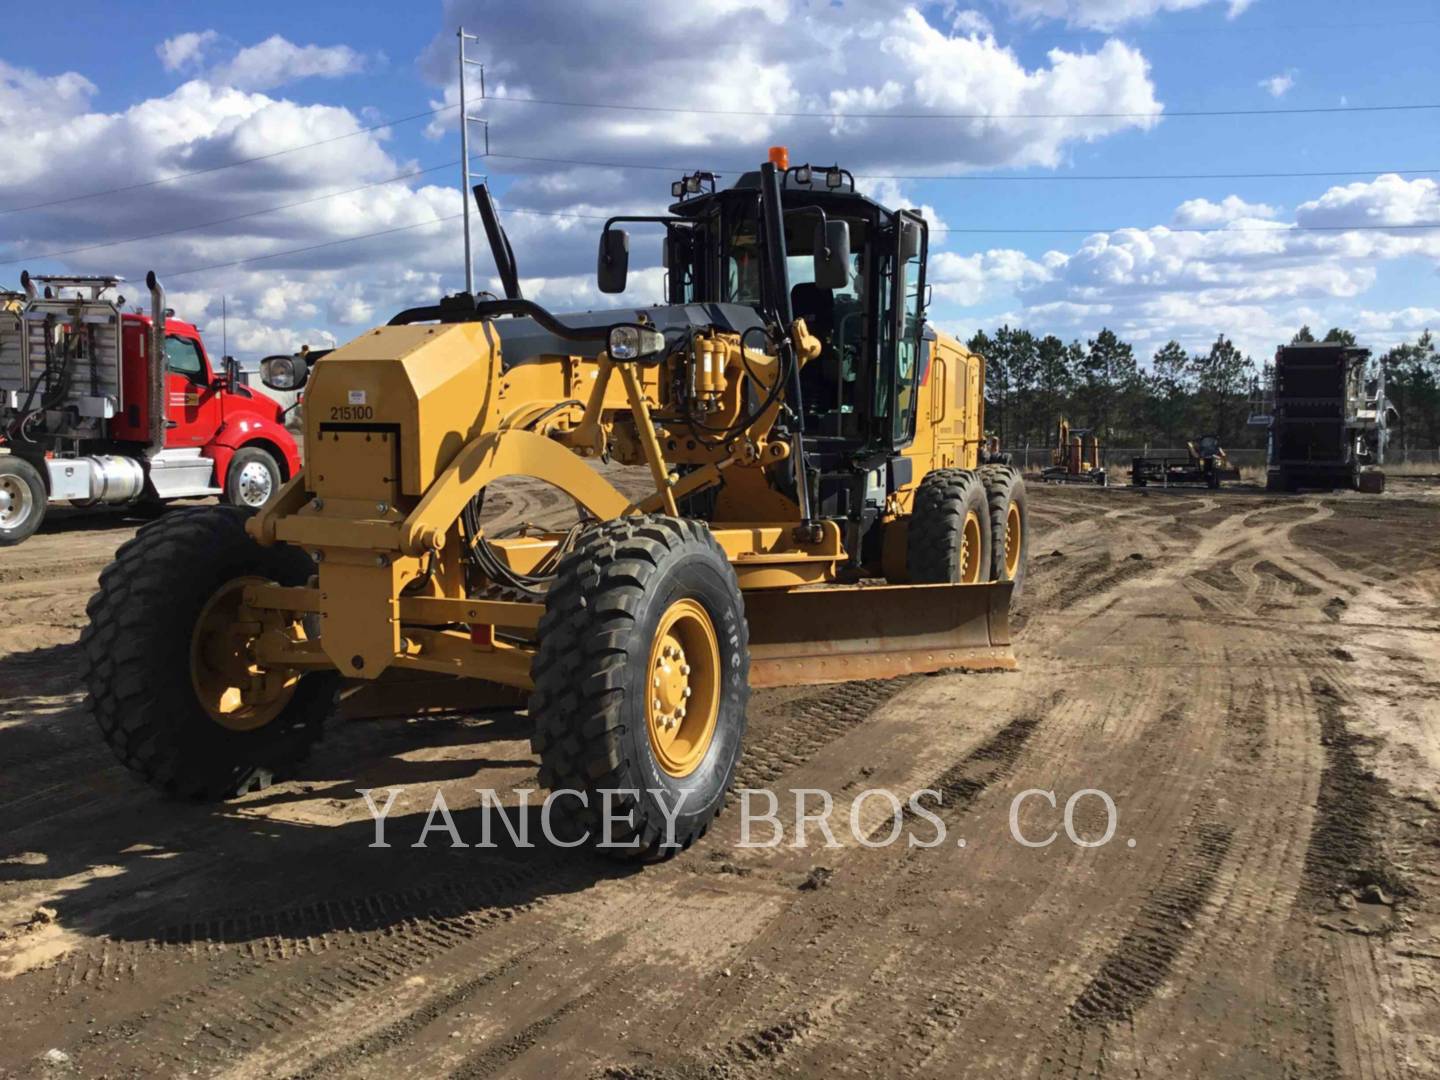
(1009, 524)
(136, 655)
(631, 590)
(254, 478)
(950, 537)
(23, 500)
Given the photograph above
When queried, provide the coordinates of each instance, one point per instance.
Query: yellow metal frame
(407, 425)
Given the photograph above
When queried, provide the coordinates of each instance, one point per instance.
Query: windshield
(743, 261)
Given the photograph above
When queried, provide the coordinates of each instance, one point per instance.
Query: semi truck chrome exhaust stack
(157, 363)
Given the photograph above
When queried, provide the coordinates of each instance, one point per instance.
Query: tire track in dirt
(894, 886)
(1346, 849)
(1251, 910)
(243, 1003)
(805, 724)
(1138, 966)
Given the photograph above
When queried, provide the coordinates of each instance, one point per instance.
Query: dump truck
(1328, 419)
(100, 405)
(815, 510)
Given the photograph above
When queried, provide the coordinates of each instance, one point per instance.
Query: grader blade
(840, 633)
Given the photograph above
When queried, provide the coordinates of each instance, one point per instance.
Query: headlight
(634, 342)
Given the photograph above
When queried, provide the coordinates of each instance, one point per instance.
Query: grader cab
(819, 508)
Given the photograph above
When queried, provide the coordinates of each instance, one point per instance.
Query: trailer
(1204, 463)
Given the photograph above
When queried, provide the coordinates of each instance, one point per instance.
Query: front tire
(950, 537)
(145, 667)
(23, 500)
(254, 478)
(642, 679)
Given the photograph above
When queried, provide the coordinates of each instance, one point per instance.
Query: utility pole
(465, 121)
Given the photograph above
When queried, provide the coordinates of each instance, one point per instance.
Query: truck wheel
(163, 672)
(1009, 524)
(23, 500)
(950, 537)
(253, 479)
(642, 679)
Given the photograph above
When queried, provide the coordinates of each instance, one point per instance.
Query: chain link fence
(1116, 460)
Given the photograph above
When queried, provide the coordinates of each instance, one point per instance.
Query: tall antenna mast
(465, 121)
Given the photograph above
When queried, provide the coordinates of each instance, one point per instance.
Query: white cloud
(1388, 199)
(1384, 329)
(1256, 280)
(882, 57)
(969, 21)
(1110, 14)
(264, 66)
(28, 98)
(1279, 85)
(185, 50)
(276, 61)
(1203, 212)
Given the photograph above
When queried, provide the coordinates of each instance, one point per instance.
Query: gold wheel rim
(236, 692)
(970, 548)
(682, 701)
(1012, 541)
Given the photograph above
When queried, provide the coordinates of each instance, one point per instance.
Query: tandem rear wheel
(23, 499)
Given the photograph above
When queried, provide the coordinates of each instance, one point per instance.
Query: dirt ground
(1251, 679)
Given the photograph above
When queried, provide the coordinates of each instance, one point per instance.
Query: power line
(1279, 229)
(237, 217)
(679, 169)
(310, 247)
(1228, 28)
(229, 164)
(823, 114)
(984, 178)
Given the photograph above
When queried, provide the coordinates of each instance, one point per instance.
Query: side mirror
(284, 372)
(233, 375)
(909, 241)
(832, 255)
(613, 265)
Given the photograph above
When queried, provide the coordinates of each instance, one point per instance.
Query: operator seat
(820, 378)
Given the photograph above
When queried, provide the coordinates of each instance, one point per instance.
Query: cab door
(911, 357)
(192, 405)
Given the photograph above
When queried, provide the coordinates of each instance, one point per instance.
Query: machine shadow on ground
(295, 861)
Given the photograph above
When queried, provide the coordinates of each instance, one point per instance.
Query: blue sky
(171, 88)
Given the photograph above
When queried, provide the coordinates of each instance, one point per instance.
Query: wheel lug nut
(684, 669)
(657, 682)
(657, 704)
(686, 692)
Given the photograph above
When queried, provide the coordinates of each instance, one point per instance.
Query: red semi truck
(101, 405)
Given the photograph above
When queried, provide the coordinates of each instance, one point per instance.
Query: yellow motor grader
(819, 508)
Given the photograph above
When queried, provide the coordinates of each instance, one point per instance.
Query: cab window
(182, 356)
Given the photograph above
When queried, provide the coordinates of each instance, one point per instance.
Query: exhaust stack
(157, 363)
